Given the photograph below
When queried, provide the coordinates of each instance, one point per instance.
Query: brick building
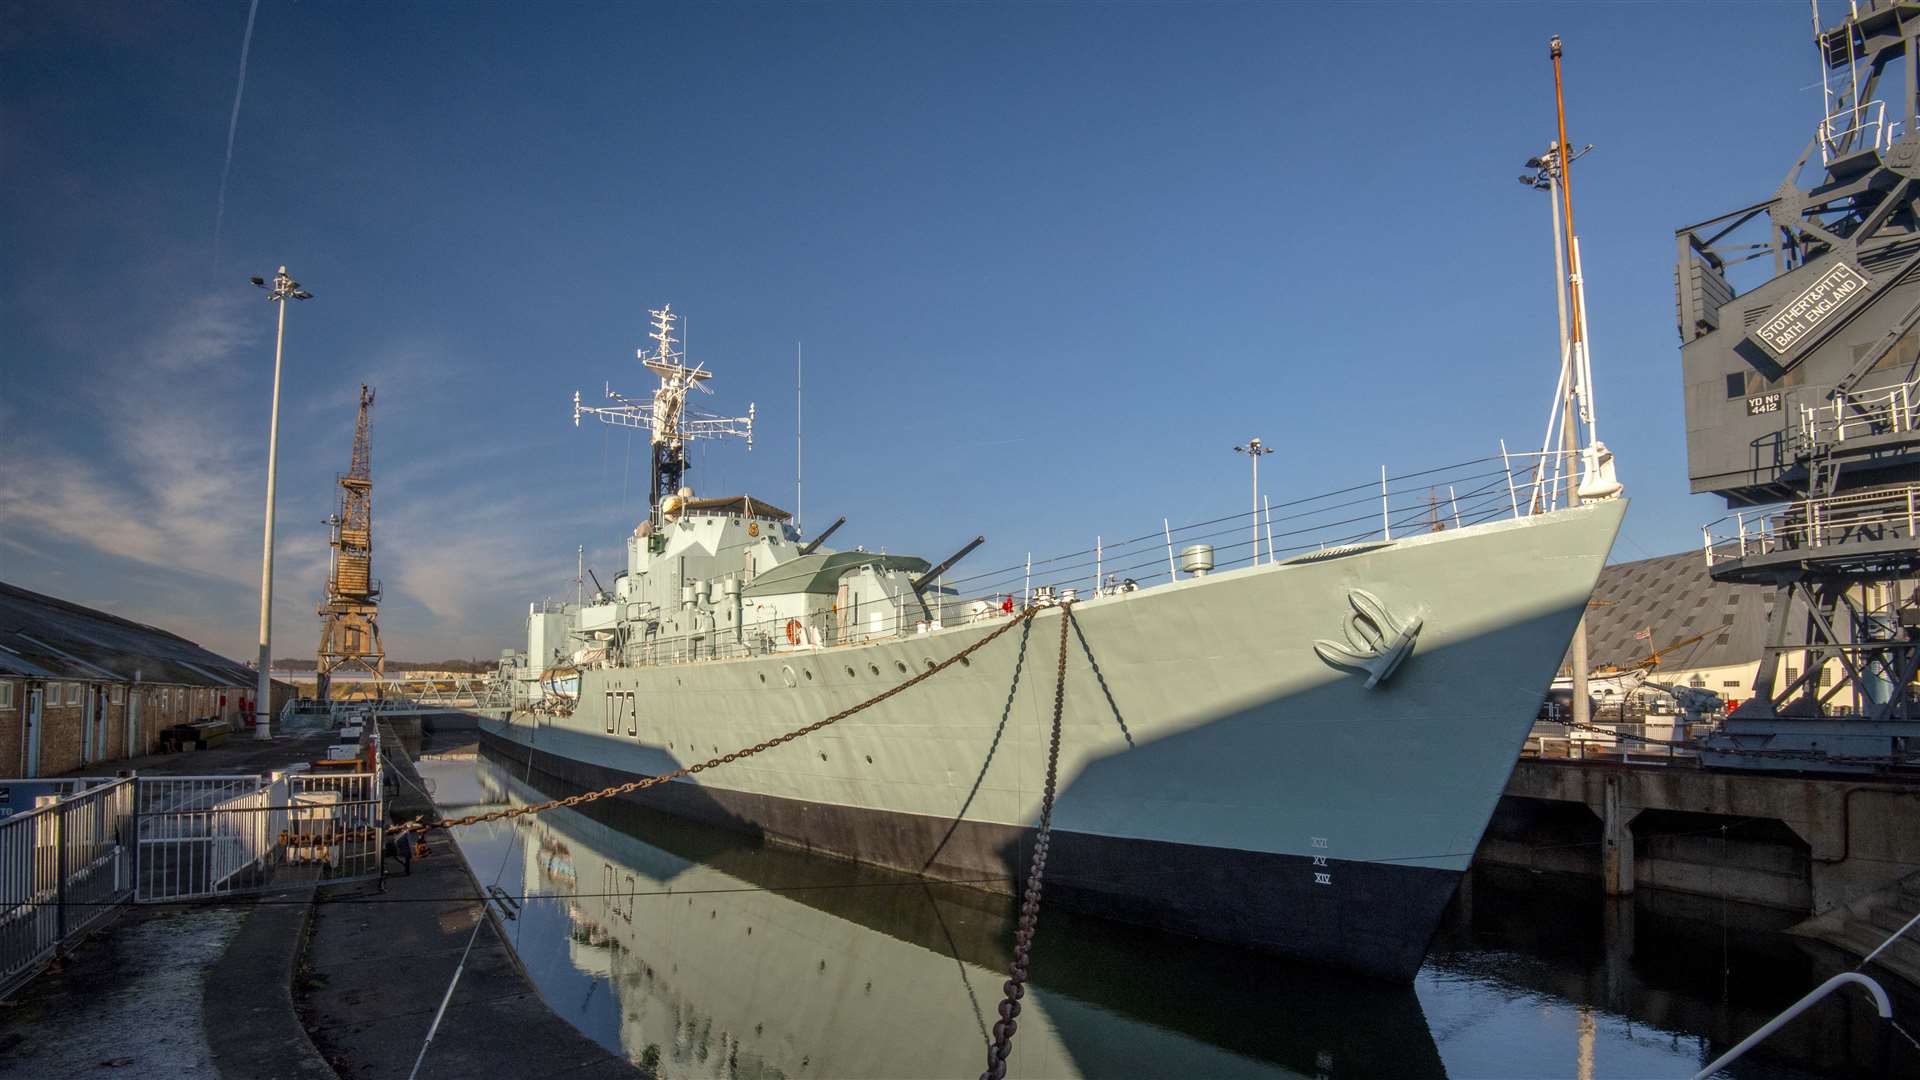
(80, 688)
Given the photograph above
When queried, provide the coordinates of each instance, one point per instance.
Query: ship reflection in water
(702, 953)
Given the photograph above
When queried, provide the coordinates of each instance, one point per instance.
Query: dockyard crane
(349, 622)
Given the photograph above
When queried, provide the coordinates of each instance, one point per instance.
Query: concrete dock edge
(248, 1008)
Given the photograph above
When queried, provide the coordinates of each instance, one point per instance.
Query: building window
(73, 693)
(6, 695)
(1736, 384)
(119, 694)
(1826, 677)
(1730, 683)
(1792, 674)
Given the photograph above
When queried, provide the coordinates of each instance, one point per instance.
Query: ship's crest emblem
(1377, 642)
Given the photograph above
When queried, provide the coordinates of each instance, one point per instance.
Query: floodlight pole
(283, 289)
(1254, 449)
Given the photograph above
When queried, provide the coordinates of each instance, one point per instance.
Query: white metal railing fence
(88, 846)
(1853, 129)
(1881, 411)
(63, 866)
(1887, 513)
(207, 837)
(477, 692)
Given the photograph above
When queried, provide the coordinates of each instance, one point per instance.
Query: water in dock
(709, 954)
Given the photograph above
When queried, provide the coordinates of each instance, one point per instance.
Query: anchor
(1376, 642)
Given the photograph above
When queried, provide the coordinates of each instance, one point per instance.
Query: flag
(1644, 635)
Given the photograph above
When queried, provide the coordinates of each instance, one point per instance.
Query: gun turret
(822, 538)
(920, 583)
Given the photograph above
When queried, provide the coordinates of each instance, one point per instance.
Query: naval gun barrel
(822, 538)
(920, 583)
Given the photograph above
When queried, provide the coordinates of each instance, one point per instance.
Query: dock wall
(1832, 851)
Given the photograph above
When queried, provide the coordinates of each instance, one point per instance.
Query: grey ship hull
(1218, 777)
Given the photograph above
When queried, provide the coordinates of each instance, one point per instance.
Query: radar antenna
(664, 416)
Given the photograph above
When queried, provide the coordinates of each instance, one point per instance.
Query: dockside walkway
(295, 985)
(378, 964)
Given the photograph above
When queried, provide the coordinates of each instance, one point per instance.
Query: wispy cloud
(163, 495)
(233, 126)
(158, 483)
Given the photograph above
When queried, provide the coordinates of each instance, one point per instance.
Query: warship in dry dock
(1297, 756)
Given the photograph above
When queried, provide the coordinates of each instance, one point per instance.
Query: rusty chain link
(1015, 986)
(419, 825)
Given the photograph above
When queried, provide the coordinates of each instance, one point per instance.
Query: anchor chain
(420, 825)
(1015, 986)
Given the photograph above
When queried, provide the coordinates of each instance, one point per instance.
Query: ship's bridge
(740, 506)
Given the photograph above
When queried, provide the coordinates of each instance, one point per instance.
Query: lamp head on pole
(1253, 448)
(282, 287)
(1546, 167)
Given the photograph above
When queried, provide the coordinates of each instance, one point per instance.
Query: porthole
(875, 668)
(902, 665)
(786, 674)
(869, 759)
(930, 664)
(966, 661)
(809, 674)
(823, 755)
(763, 676)
(850, 671)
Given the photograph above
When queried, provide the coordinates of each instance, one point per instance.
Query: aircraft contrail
(233, 124)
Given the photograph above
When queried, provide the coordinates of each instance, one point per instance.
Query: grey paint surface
(1239, 735)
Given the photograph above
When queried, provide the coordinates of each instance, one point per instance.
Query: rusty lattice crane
(349, 616)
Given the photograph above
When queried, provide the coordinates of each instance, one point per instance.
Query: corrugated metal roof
(1674, 597)
(46, 637)
(12, 663)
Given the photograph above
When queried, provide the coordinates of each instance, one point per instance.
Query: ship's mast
(665, 417)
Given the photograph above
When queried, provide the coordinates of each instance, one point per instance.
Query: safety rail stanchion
(60, 869)
(1873, 988)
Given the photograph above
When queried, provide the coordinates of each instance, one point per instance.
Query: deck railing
(1391, 508)
(1883, 410)
(1814, 524)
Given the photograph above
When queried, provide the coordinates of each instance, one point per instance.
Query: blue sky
(1049, 262)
